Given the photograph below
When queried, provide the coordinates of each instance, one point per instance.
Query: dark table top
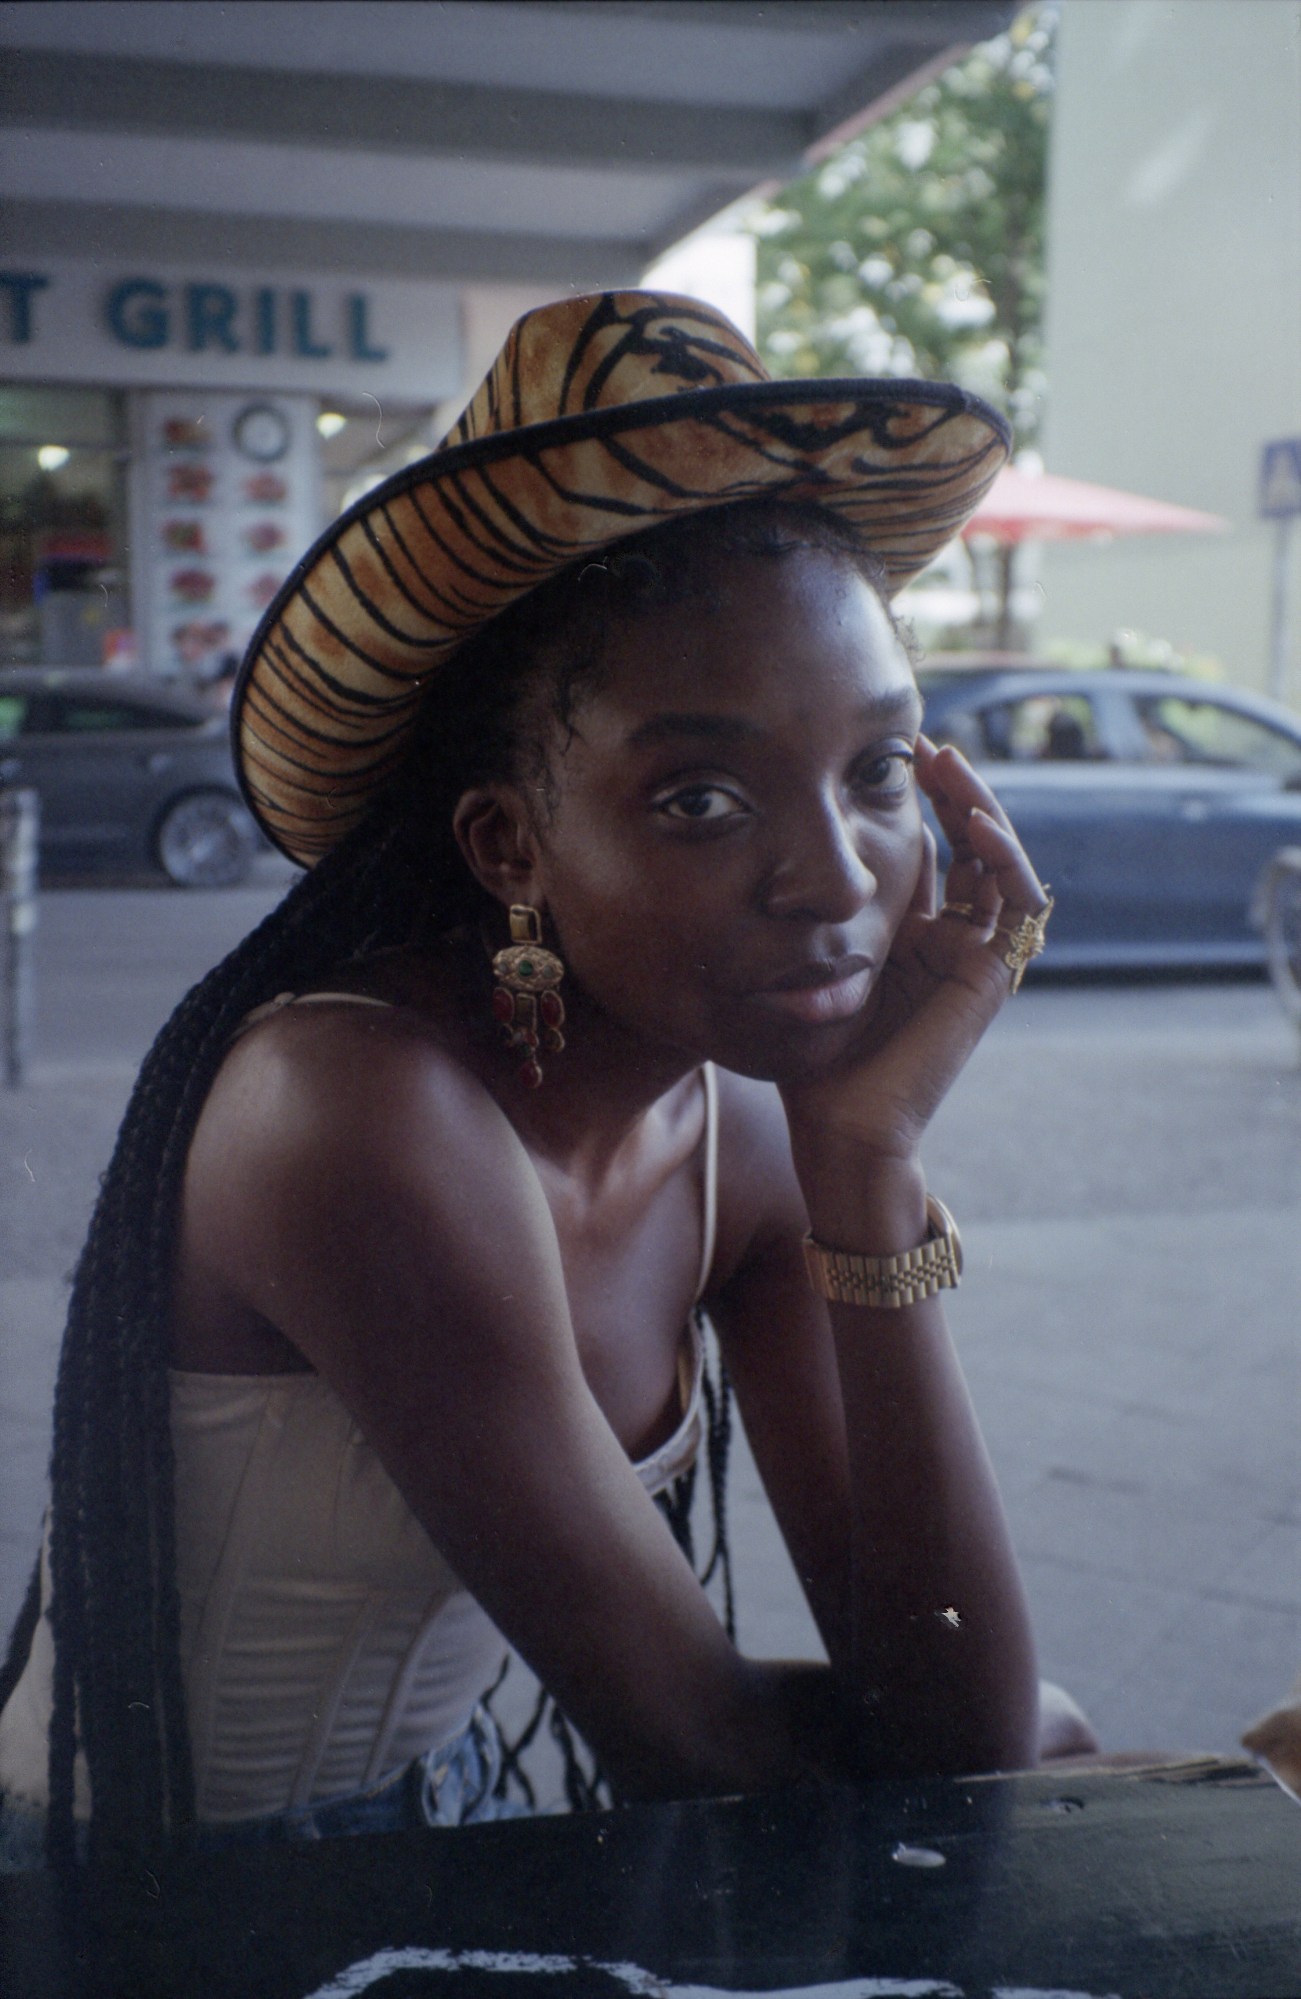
(1147, 1886)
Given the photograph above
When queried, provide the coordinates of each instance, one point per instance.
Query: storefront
(170, 442)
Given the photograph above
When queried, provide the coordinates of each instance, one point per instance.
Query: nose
(821, 871)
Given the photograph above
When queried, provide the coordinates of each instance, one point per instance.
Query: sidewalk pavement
(1129, 1203)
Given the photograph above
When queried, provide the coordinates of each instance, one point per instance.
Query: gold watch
(845, 1278)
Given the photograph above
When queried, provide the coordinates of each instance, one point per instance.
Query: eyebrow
(899, 704)
(704, 728)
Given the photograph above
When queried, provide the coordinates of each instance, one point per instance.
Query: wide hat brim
(328, 694)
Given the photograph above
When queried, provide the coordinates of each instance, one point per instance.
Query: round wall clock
(261, 432)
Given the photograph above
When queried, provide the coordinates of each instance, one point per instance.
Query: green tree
(918, 248)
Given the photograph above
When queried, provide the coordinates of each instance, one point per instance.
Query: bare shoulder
(367, 1087)
(322, 1061)
(344, 1145)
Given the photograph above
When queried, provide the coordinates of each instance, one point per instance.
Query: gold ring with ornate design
(1025, 940)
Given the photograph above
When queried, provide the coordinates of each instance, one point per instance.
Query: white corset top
(325, 1641)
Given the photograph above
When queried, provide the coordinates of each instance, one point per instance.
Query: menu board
(232, 498)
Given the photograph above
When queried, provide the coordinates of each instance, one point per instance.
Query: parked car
(1150, 802)
(130, 774)
(1276, 913)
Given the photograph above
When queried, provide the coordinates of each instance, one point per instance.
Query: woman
(603, 742)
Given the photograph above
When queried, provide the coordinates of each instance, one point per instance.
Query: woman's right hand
(944, 981)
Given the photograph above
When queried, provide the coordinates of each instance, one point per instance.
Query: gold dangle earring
(526, 999)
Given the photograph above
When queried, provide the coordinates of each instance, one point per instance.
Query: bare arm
(351, 1186)
(895, 1523)
(863, 1432)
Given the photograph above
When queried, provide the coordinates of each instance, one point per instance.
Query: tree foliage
(917, 248)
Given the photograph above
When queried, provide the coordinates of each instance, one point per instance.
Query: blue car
(1151, 802)
(133, 777)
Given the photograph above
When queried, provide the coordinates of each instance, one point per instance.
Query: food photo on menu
(184, 537)
(190, 484)
(199, 646)
(261, 589)
(260, 537)
(186, 433)
(192, 586)
(266, 489)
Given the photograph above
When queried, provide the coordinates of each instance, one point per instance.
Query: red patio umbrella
(1043, 506)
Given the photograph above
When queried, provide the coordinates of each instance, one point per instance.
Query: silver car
(131, 774)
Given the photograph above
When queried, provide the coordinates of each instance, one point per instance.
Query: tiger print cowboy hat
(601, 415)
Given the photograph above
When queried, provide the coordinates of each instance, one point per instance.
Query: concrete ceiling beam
(396, 115)
(192, 236)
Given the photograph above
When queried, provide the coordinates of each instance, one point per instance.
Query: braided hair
(399, 877)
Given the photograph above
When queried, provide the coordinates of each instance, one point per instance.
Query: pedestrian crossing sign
(1280, 478)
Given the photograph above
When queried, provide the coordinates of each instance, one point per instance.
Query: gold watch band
(845, 1278)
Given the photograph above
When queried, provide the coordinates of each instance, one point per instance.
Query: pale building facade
(1174, 318)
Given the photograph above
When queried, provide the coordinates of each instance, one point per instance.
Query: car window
(1206, 732)
(91, 716)
(13, 708)
(1040, 728)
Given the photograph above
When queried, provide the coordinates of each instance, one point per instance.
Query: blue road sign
(1280, 478)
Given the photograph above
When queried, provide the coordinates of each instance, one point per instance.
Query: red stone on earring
(525, 1002)
(552, 1010)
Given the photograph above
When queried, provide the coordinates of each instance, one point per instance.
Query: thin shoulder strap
(281, 1000)
(709, 1232)
(344, 999)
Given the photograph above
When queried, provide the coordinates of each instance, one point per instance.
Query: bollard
(20, 814)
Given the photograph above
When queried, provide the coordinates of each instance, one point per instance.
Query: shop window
(63, 588)
(90, 717)
(83, 416)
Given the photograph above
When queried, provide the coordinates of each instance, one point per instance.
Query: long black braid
(114, 1605)
(114, 1608)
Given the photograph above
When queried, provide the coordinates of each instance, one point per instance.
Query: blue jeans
(451, 1785)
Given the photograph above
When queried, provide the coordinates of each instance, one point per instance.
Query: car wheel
(207, 839)
(1282, 922)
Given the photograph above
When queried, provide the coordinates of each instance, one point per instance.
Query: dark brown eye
(886, 775)
(700, 802)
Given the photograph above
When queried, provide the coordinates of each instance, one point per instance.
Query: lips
(823, 990)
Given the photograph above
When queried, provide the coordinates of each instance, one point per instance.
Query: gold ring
(1025, 940)
(965, 912)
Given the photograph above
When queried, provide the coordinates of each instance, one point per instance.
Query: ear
(496, 836)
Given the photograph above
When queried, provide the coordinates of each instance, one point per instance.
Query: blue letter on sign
(358, 332)
(19, 286)
(300, 305)
(209, 309)
(136, 311)
(264, 311)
